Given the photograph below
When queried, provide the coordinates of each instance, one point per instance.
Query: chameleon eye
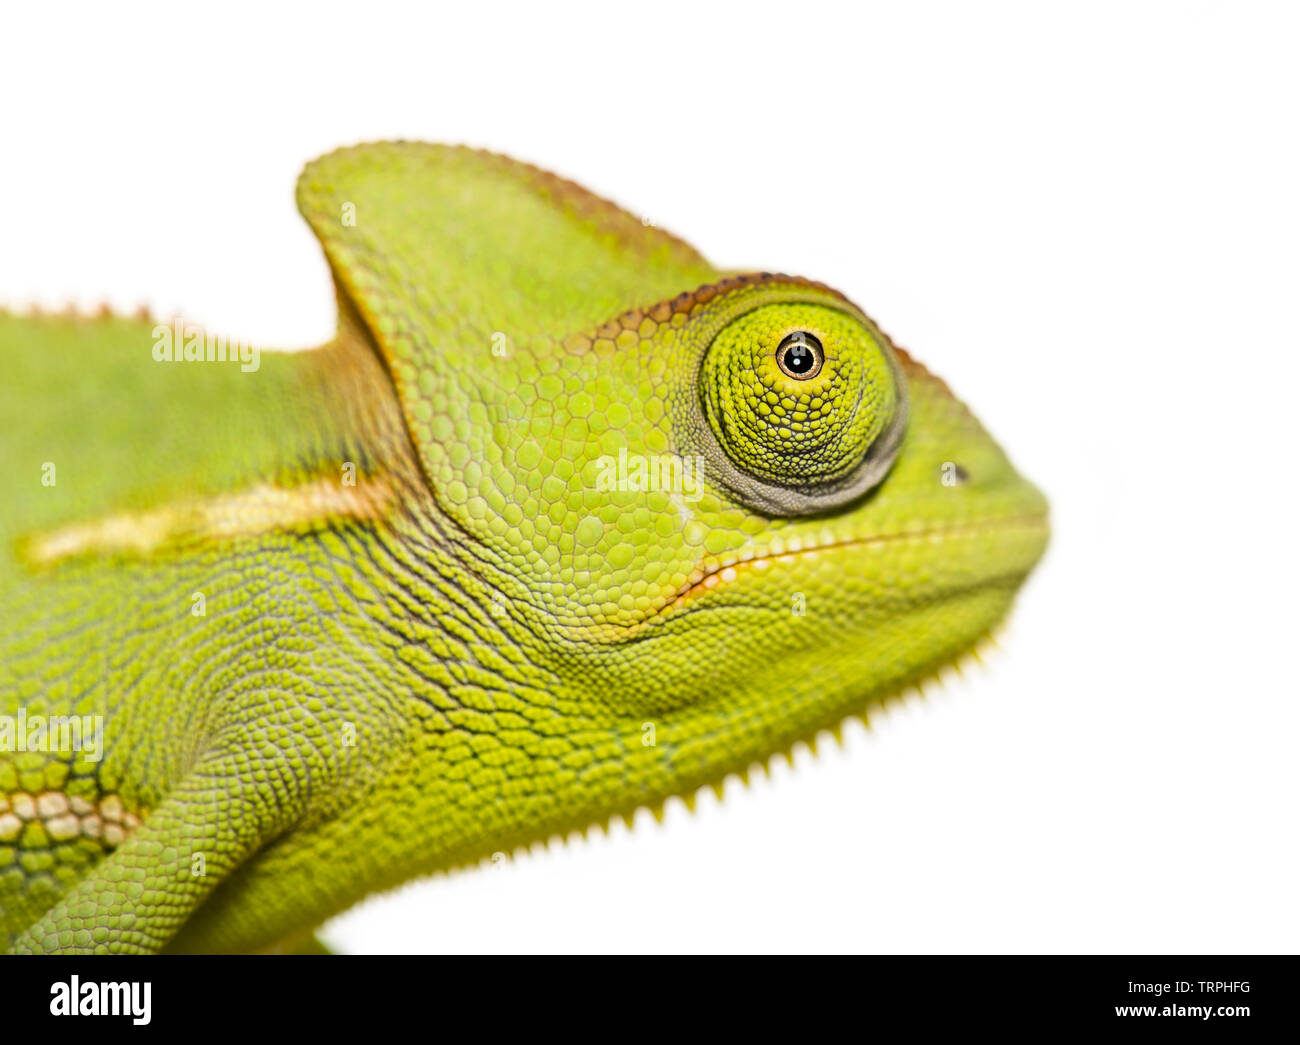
(799, 355)
(806, 406)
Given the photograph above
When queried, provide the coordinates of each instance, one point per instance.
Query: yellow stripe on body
(263, 508)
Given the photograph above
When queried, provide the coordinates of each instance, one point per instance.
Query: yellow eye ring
(798, 406)
(800, 356)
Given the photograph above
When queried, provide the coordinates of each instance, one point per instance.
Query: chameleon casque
(563, 522)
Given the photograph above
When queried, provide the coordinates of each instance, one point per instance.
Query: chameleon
(562, 523)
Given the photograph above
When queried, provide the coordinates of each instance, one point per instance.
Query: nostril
(953, 474)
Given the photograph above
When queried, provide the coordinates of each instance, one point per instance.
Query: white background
(1085, 217)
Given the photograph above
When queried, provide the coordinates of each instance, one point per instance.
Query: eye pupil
(799, 355)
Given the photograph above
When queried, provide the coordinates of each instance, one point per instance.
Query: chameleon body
(563, 522)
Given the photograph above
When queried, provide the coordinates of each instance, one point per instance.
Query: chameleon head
(726, 506)
(629, 524)
(753, 503)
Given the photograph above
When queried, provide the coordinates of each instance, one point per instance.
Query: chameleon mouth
(718, 572)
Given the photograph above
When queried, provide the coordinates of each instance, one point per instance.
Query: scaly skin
(472, 646)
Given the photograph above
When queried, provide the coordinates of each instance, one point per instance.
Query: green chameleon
(563, 522)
